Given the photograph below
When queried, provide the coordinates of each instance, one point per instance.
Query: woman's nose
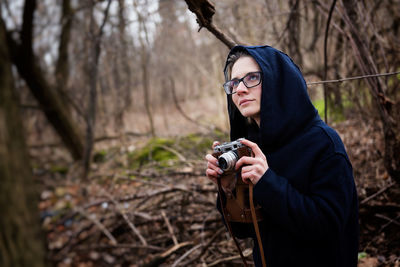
(241, 88)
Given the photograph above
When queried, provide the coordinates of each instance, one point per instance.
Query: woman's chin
(248, 113)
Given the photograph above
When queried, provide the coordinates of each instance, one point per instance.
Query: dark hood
(286, 108)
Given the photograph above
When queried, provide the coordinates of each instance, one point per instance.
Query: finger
(246, 180)
(216, 143)
(245, 161)
(254, 147)
(212, 159)
(246, 169)
(212, 174)
(248, 177)
(212, 163)
(215, 168)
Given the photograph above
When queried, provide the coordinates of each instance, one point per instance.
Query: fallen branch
(206, 246)
(246, 253)
(187, 253)
(123, 214)
(158, 259)
(130, 246)
(98, 224)
(376, 194)
(170, 229)
(390, 220)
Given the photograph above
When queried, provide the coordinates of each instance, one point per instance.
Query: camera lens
(222, 163)
(227, 161)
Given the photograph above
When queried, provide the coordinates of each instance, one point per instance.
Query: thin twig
(170, 229)
(158, 259)
(99, 225)
(390, 220)
(170, 149)
(130, 224)
(365, 200)
(181, 111)
(355, 78)
(246, 253)
(206, 246)
(187, 253)
(130, 246)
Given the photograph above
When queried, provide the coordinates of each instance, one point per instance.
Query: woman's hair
(232, 58)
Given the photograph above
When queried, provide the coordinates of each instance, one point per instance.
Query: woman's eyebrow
(232, 78)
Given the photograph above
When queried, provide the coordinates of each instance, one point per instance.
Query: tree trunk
(51, 103)
(93, 73)
(384, 105)
(20, 243)
(146, 88)
(144, 63)
(294, 32)
(62, 66)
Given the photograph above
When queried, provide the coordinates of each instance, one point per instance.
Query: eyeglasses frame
(242, 80)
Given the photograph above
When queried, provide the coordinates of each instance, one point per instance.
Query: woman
(301, 173)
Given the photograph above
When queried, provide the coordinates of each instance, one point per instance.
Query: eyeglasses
(252, 79)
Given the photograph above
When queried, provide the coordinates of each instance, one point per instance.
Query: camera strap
(228, 224)
(255, 223)
(254, 220)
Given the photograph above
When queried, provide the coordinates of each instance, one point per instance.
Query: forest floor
(147, 202)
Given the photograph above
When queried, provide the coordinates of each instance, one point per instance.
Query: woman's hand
(214, 172)
(253, 168)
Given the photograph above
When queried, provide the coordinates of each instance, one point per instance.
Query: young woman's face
(247, 100)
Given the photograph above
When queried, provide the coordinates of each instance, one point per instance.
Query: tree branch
(326, 59)
(204, 10)
(62, 66)
(27, 27)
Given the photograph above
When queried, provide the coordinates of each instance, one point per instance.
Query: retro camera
(229, 153)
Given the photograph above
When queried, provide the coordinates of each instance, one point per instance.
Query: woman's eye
(252, 77)
(235, 83)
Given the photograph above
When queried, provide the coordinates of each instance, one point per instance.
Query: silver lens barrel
(227, 161)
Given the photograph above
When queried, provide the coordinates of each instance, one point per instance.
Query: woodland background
(107, 108)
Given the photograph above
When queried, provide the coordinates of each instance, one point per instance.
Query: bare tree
(95, 38)
(144, 63)
(51, 103)
(378, 89)
(21, 243)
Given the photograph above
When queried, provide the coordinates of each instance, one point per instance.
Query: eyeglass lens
(250, 80)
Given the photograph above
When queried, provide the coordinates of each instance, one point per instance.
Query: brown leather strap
(255, 223)
(228, 224)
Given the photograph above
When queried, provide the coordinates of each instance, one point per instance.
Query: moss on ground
(100, 156)
(156, 150)
(167, 152)
(59, 169)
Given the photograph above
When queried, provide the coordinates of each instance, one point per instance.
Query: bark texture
(20, 241)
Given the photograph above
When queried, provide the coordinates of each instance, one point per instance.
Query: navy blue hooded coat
(308, 195)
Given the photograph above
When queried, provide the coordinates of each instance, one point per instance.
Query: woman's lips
(244, 101)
